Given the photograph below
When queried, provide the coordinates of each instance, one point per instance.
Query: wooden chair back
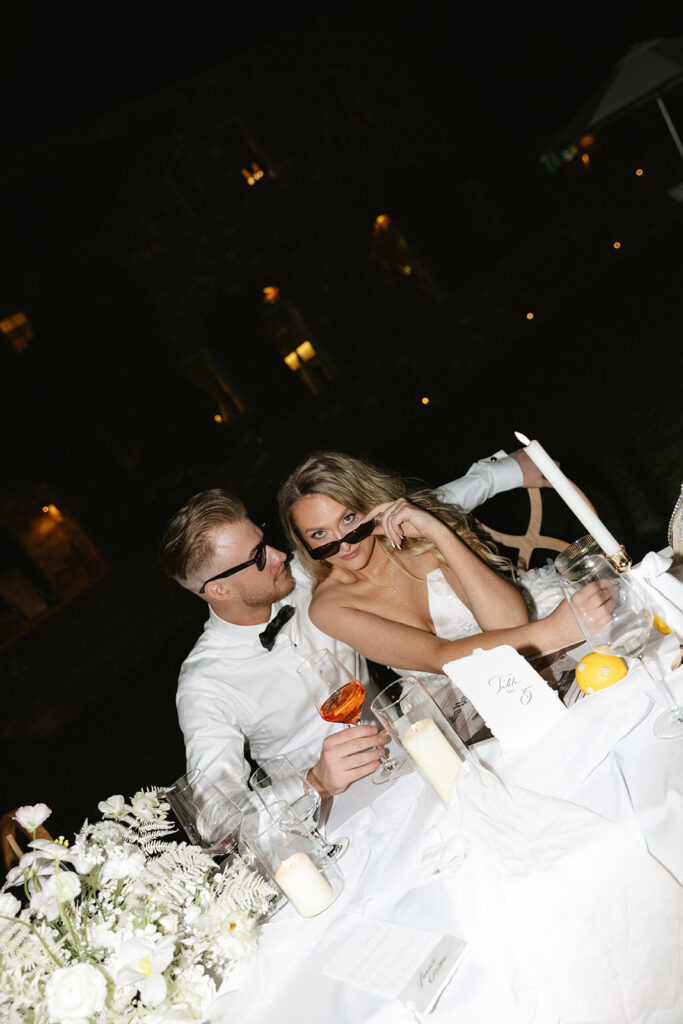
(10, 846)
(526, 543)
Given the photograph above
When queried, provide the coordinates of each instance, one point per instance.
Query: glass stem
(662, 685)
(317, 834)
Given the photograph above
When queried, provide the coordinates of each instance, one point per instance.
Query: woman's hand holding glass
(616, 618)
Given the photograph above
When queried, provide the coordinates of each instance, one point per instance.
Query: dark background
(438, 122)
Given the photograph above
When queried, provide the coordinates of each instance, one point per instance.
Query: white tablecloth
(602, 756)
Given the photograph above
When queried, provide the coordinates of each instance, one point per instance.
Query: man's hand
(347, 755)
(531, 474)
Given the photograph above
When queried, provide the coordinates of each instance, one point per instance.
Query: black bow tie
(267, 637)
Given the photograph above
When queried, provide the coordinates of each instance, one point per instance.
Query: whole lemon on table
(596, 671)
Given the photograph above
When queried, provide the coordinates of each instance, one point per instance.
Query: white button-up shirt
(232, 690)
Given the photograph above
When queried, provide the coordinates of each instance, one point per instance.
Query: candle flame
(522, 438)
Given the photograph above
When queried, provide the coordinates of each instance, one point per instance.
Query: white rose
(168, 924)
(145, 805)
(123, 862)
(196, 990)
(75, 993)
(9, 905)
(84, 862)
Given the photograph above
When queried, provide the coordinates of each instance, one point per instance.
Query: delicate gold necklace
(392, 580)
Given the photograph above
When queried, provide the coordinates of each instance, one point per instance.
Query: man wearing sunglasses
(239, 684)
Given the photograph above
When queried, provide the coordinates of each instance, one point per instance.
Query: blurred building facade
(288, 251)
(217, 270)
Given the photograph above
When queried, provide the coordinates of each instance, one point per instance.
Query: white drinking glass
(410, 714)
(296, 861)
(337, 694)
(616, 618)
(277, 780)
(209, 818)
(338, 697)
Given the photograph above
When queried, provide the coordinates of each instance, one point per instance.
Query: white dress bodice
(452, 620)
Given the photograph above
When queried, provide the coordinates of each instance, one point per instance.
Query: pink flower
(31, 816)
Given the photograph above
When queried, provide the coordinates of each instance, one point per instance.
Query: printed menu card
(397, 962)
(513, 699)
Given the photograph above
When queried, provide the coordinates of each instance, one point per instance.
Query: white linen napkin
(573, 918)
(408, 808)
(567, 753)
(665, 590)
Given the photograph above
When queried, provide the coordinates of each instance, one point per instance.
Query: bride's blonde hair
(358, 485)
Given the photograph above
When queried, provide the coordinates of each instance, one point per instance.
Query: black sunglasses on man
(259, 560)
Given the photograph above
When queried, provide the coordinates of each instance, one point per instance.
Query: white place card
(398, 962)
(513, 699)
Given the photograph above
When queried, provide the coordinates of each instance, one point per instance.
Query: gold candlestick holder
(586, 547)
(620, 560)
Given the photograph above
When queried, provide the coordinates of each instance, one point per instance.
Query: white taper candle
(566, 490)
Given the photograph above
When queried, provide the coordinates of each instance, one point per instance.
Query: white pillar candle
(301, 882)
(433, 754)
(569, 494)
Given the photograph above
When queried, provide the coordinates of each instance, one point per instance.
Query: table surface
(603, 756)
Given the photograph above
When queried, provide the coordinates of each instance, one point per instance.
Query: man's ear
(218, 590)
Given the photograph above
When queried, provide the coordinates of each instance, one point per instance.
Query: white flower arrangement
(123, 926)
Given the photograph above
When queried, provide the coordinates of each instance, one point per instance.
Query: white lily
(9, 905)
(39, 861)
(143, 965)
(62, 887)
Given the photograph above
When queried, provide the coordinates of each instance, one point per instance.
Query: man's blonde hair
(186, 545)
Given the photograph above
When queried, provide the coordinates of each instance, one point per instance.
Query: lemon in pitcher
(596, 671)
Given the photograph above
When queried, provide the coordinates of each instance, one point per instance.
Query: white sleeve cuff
(483, 479)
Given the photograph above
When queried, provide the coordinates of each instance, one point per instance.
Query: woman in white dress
(401, 577)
